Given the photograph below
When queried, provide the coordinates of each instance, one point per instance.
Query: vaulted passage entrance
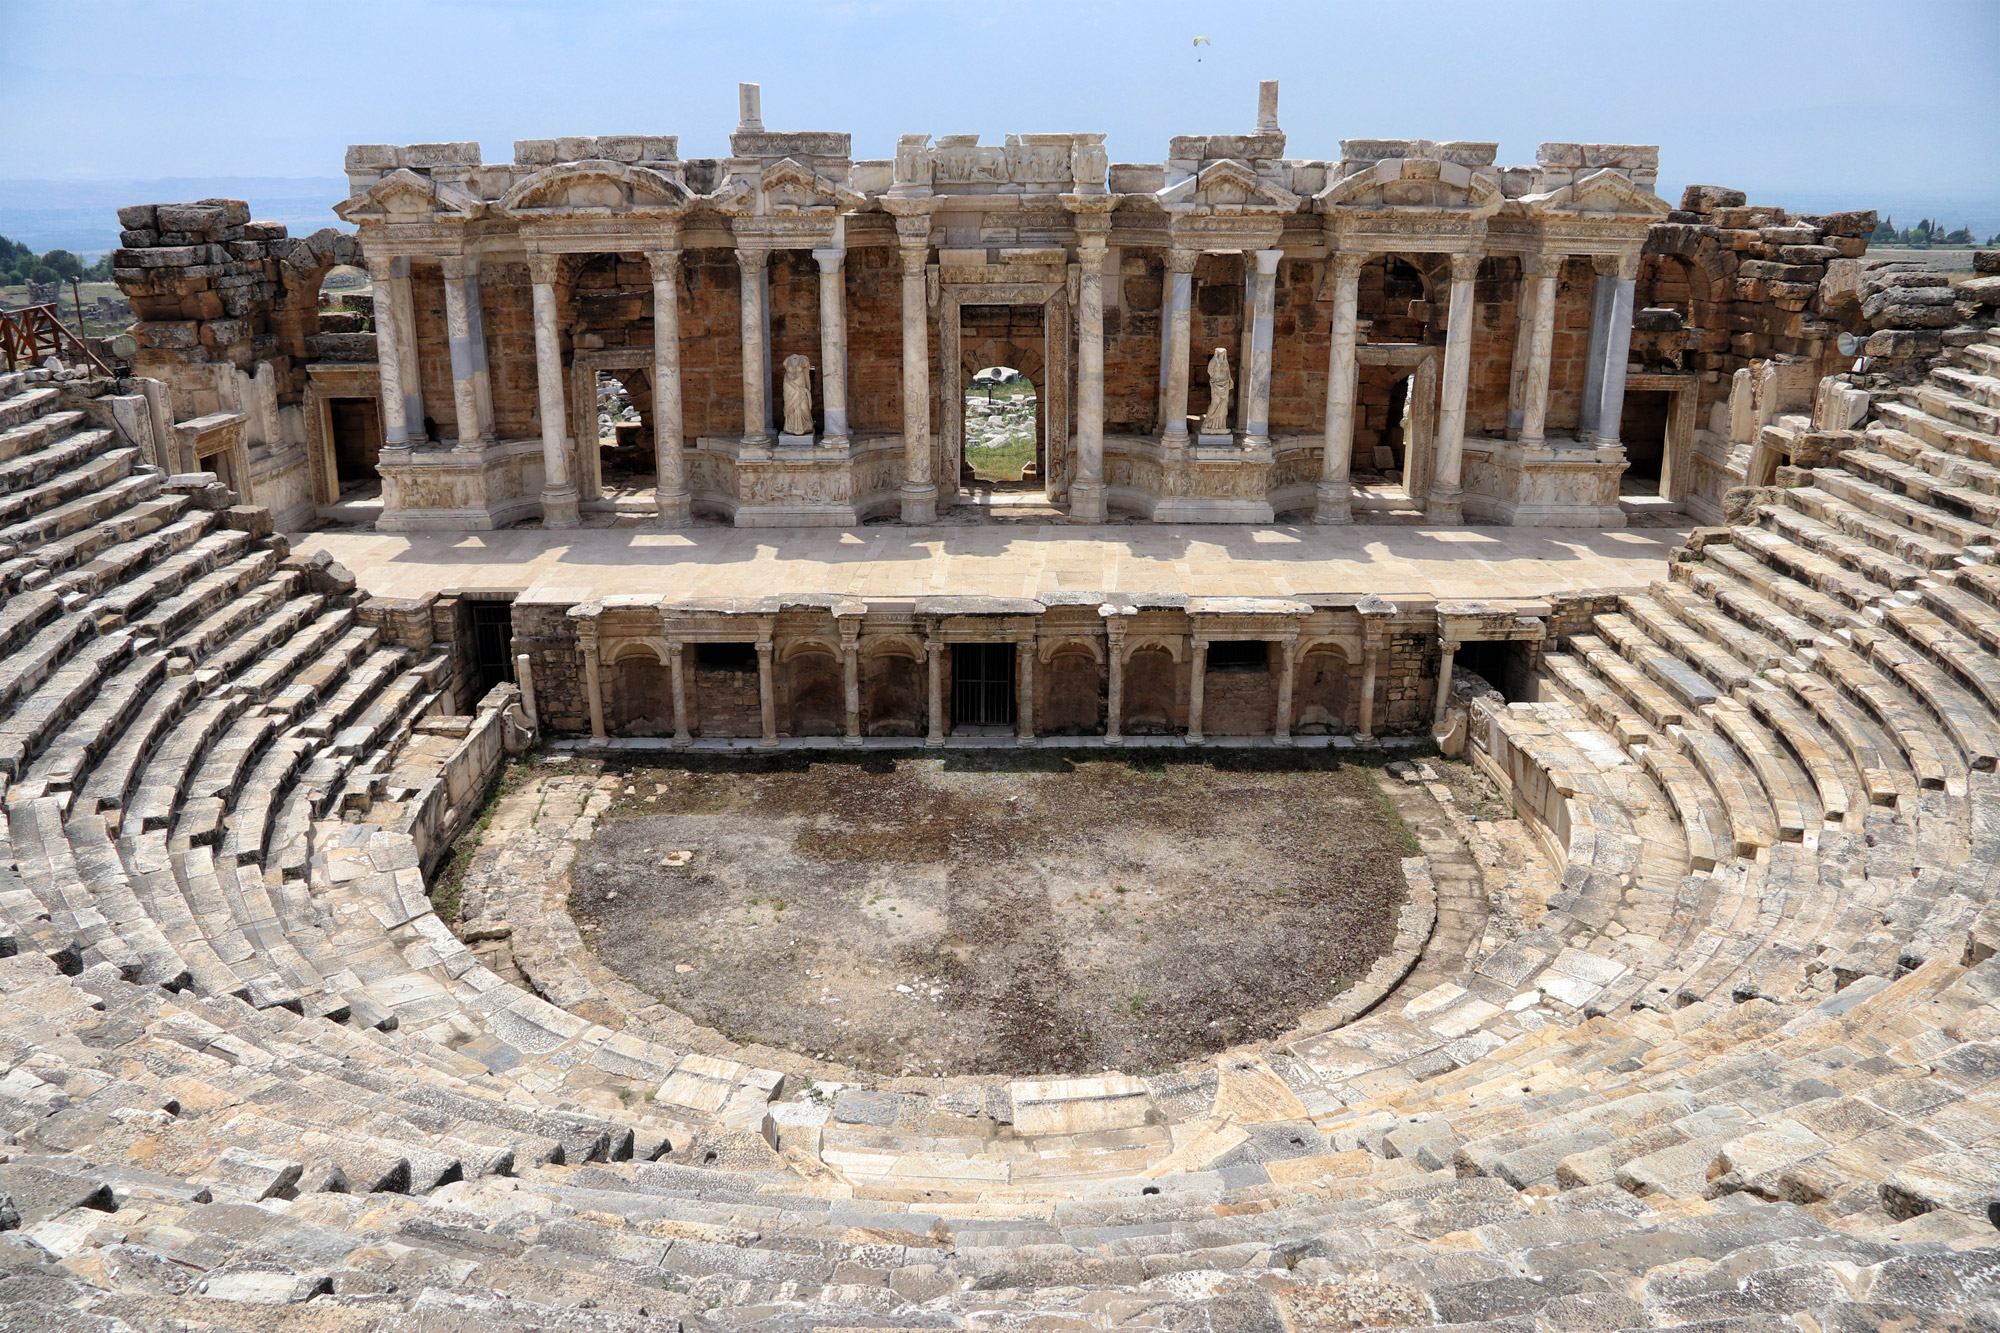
(982, 685)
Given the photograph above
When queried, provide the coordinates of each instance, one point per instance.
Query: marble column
(1541, 351)
(559, 496)
(468, 345)
(756, 381)
(1197, 685)
(934, 662)
(1610, 345)
(402, 302)
(1176, 334)
(850, 679)
(920, 492)
(586, 639)
(1115, 688)
(388, 356)
(767, 695)
(1524, 336)
(833, 347)
(1444, 681)
(1288, 651)
(1024, 691)
(670, 488)
(1335, 494)
(1086, 490)
(677, 671)
(1257, 401)
(1446, 502)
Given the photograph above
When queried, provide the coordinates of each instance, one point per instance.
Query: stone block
(253, 519)
(1807, 254)
(373, 157)
(166, 334)
(1979, 291)
(198, 219)
(424, 155)
(1709, 198)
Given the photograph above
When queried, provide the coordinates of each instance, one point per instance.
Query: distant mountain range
(82, 216)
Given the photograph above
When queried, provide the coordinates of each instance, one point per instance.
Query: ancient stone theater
(987, 738)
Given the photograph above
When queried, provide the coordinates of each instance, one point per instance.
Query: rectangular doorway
(356, 427)
(982, 685)
(492, 642)
(1642, 429)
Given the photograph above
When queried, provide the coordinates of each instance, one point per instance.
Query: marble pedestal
(1550, 484)
(471, 488)
(1214, 483)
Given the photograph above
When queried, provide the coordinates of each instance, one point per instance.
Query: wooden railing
(33, 332)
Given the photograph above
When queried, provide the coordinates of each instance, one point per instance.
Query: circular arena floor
(996, 914)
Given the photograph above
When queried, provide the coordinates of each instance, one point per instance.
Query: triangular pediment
(1603, 193)
(1224, 188)
(595, 187)
(1414, 185)
(405, 196)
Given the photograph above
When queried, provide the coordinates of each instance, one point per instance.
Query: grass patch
(447, 891)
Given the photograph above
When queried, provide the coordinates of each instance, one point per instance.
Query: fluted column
(920, 493)
(1541, 351)
(559, 498)
(1197, 688)
(1446, 503)
(1257, 403)
(1175, 344)
(670, 488)
(756, 379)
(1087, 501)
(468, 346)
(1610, 345)
(388, 356)
(402, 301)
(1335, 495)
(833, 347)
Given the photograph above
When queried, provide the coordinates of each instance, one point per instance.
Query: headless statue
(1216, 422)
(798, 395)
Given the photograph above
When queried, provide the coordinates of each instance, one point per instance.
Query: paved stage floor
(1012, 561)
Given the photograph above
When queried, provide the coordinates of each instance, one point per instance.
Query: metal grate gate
(982, 685)
(492, 642)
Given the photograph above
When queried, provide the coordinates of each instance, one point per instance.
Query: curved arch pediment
(594, 187)
(1414, 185)
(786, 188)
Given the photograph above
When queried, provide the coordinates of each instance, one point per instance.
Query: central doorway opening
(626, 461)
(1001, 406)
(982, 685)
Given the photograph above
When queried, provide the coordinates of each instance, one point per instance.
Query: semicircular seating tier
(1743, 1072)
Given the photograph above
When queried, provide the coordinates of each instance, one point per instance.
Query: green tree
(43, 273)
(1885, 230)
(64, 263)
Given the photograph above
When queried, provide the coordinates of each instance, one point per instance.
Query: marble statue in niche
(1220, 386)
(798, 395)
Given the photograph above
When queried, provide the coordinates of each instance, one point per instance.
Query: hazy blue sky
(1832, 100)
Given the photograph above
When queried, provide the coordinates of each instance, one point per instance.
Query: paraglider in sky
(1199, 42)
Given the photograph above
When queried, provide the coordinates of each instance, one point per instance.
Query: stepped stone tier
(1705, 1036)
